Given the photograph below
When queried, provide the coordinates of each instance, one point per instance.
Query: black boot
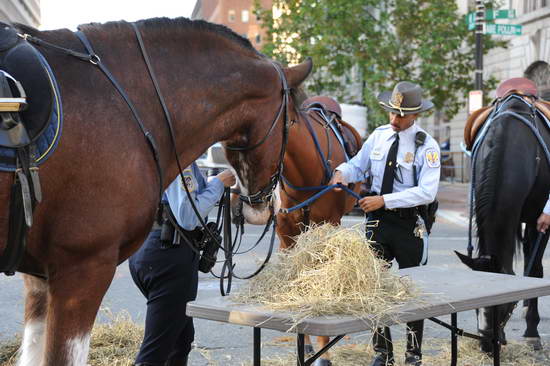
(415, 331)
(177, 361)
(383, 347)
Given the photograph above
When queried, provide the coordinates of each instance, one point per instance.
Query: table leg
(301, 356)
(454, 339)
(496, 338)
(257, 346)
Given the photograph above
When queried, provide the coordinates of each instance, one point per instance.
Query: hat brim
(384, 101)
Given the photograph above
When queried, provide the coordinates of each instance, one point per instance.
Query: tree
(376, 43)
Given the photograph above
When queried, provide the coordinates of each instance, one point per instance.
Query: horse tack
(22, 134)
(478, 118)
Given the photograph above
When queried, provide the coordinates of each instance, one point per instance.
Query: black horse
(511, 182)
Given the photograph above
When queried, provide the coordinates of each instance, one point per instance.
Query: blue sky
(71, 13)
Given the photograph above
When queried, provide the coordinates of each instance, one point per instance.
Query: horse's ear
(295, 75)
(465, 259)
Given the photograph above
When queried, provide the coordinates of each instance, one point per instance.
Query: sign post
(480, 19)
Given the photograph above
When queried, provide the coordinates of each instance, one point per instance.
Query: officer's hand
(543, 222)
(227, 177)
(371, 203)
(338, 177)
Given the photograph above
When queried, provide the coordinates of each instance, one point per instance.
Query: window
(258, 38)
(532, 5)
(244, 16)
(231, 16)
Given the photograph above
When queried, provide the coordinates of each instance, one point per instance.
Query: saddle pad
(48, 140)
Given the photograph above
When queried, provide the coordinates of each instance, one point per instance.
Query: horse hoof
(534, 342)
(308, 349)
(322, 362)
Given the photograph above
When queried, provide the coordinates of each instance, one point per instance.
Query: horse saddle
(26, 90)
(478, 118)
(331, 108)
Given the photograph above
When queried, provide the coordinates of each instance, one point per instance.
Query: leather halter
(264, 195)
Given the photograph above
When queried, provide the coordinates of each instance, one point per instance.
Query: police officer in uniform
(391, 156)
(168, 275)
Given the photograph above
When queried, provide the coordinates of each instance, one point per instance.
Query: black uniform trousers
(395, 239)
(168, 278)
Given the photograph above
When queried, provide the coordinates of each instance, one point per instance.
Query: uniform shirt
(205, 194)
(371, 161)
(546, 209)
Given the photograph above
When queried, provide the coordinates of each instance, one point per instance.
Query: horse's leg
(532, 318)
(36, 297)
(75, 293)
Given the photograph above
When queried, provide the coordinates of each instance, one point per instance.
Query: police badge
(397, 99)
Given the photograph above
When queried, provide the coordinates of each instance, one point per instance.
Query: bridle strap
(265, 194)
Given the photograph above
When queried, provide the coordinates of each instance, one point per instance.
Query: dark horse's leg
(532, 317)
(36, 295)
(75, 293)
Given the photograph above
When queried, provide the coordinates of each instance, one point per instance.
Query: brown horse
(304, 166)
(100, 188)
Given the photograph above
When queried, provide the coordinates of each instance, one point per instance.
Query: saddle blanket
(47, 142)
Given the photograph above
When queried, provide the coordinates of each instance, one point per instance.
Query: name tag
(376, 155)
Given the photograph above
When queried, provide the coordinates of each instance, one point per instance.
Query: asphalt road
(223, 344)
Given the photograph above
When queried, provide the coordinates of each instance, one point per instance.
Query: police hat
(406, 98)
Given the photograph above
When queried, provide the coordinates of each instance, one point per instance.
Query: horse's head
(256, 153)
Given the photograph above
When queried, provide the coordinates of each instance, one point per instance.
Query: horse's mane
(161, 25)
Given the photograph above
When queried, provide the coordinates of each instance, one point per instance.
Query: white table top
(445, 291)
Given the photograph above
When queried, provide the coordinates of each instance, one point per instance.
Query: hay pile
(331, 271)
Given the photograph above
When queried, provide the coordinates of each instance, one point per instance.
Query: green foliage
(376, 43)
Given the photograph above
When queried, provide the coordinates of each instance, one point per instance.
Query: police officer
(391, 156)
(168, 275)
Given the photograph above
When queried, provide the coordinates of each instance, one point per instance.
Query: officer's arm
(428, 181)
(357, 168)
(205, 199)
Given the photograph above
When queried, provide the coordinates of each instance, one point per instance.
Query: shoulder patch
(189, 180)
(432, 157)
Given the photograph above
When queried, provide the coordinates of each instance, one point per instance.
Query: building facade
(20, 11)
(527, 55)
(235, 14)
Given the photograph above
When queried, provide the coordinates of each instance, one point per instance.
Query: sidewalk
(453, 202)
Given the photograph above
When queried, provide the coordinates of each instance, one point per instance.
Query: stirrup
(8, 103)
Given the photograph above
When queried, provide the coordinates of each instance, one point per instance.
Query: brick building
(20, 11)
(235, 14)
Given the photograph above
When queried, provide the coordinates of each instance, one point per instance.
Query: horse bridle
(265, 194)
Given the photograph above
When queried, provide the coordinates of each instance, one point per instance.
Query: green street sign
(504, 29)
(490, 14)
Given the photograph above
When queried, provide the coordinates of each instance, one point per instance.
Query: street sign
(475, 101)
(504, 29)
(490, 14)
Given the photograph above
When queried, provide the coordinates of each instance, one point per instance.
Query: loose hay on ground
(331, 271)
(113, 344)
(437, 352)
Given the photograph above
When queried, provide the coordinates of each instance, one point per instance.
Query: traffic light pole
(480, 19)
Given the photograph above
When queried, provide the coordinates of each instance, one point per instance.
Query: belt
(404, 213)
